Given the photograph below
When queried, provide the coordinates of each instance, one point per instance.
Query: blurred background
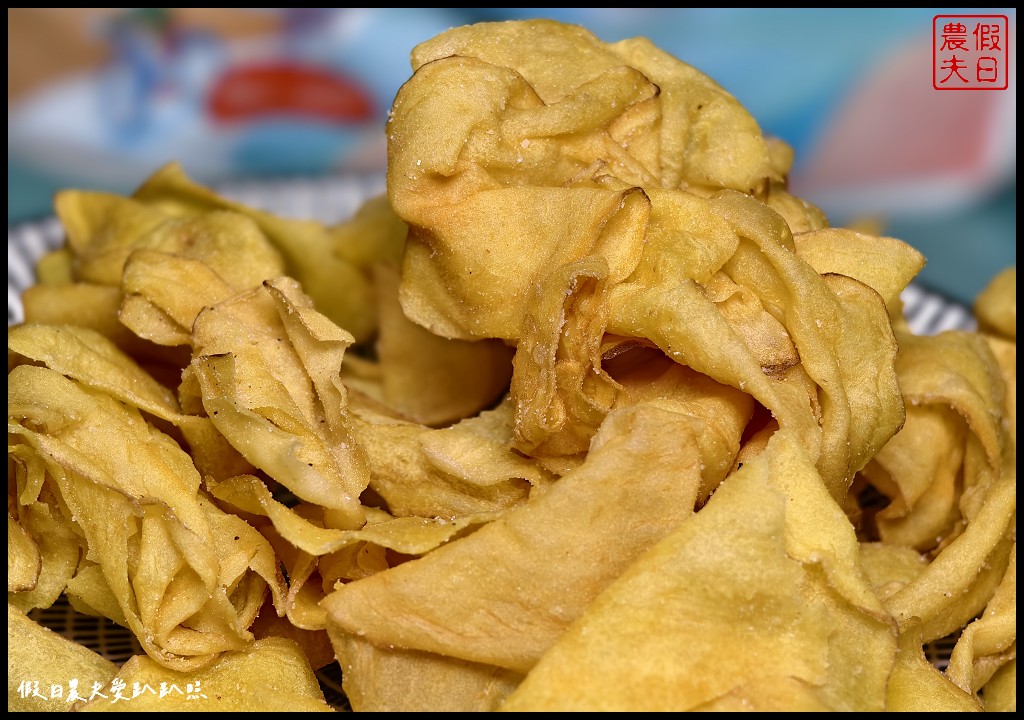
(99, 98)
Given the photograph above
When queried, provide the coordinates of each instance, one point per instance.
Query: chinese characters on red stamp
(970, 52)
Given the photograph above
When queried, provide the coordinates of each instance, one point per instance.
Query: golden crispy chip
(271, 676)
(560, 393)
(651, 640)
(478, 284)
(708, 140)
(315, 644)
(102, 230)
(59, 551)
(354, 562)
(685, 238)
(800, 215)
(767, 695)
(267, 365)
(478, 450)
(55, 267)
(340, 288)
(95, 307)
(429, 379)
(890, 567)
(989, 642)
(38, 659)
(839, 327)
(996, 306)
(1005, 353)
(884, 264)
(1001, 690)
(464, 244)
(23, 561)
(958, 369)
(461, 470)
(538, 565)
(602, 235)
(90, 594)
(164, 292)
(566, 121)
(301, 603)
(765, 336)
(698, 119)
(939, 467)
(188, 592)
(91, 359)
(832, 403)
(964, 575)
(407, 535)
(374, 236)
(393, 680)
(508, 110)
(915, 685)
(919, 470)
(231, 244)
(114, 227)
(647, 376)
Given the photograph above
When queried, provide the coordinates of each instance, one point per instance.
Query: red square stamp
(970, 52)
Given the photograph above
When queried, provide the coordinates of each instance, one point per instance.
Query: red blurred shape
(288, 89)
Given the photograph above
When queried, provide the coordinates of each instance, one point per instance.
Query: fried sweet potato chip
(1001, 690)
(952, 447)
(59, 548)
(187, 591)
(273, 675)
(890, 567)
(557, 145)
(839, 327)
(393, 680)
(843, 413)
(164, 293)
(315, 644)
(341, 289)
(512, 587)
(38, 659)
(91, 359)
(102, 230)
(407, 535)
(95, 307)
(884, 264)
(962, 578)
(55, 267)
(989, 642)
(915, 685)
(464, 469)
(560, 393)
(23, 560)
(267, 365)
(715, 594)
(429, 379)
(996, 306)
(374, 236)
(698, 121)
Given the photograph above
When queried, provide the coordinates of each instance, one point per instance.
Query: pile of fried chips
(589, 413)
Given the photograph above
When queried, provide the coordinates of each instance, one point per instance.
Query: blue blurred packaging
(233, 93)
(308, 94)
